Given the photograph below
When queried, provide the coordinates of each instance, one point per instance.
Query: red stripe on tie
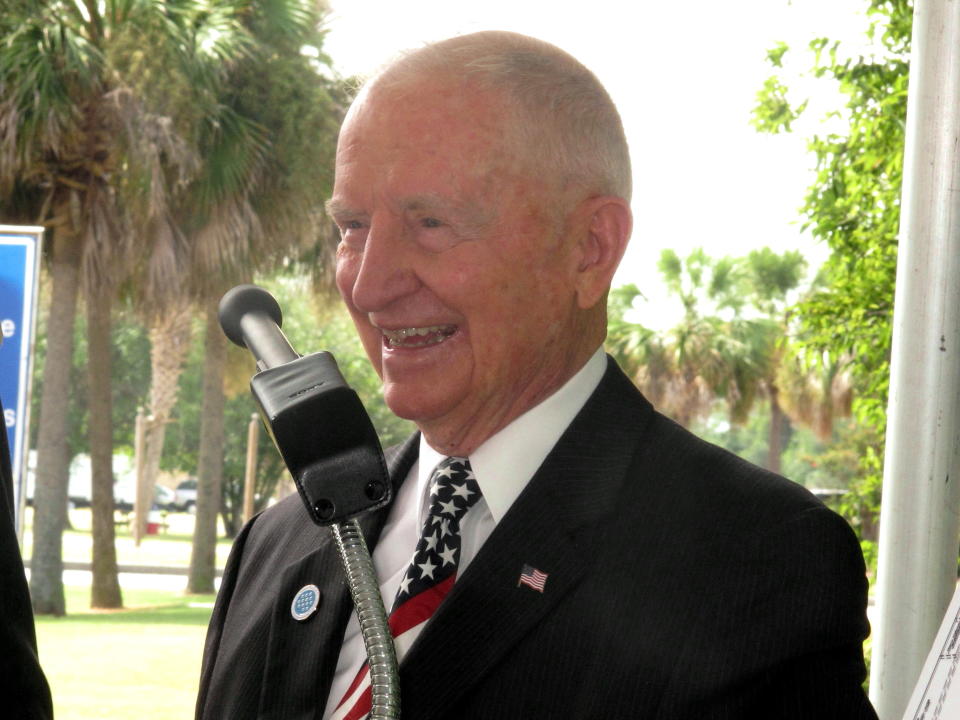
(418, 608)
(361, 674)
(362, 706)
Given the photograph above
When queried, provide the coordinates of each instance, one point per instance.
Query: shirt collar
(506, 462)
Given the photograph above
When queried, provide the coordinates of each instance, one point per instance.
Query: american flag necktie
(430, 574)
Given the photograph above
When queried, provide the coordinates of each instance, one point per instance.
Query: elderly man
(556, 548)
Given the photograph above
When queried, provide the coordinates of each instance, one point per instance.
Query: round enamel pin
(305, 602)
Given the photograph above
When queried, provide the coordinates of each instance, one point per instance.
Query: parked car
(125, 495)
(164, 498)
(186, 496)
(79, 488)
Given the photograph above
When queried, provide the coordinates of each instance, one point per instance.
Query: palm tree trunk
(169, 343)
(50, 495)
(210, 470)
(105, 591)
(154, 435)
(775, 442)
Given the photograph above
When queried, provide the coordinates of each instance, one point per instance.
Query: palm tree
(733, 351)
(257, 205)
(97, 105)
(683, 369)
(817, 388)
(58, 137)
(769, 280)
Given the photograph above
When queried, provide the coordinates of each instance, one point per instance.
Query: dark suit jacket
(682, 582)
(24, 688)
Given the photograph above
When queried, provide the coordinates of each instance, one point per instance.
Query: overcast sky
(684, 76)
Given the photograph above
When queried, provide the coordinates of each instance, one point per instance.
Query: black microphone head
(240, 301)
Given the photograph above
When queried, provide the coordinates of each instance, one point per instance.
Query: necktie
(430, 574)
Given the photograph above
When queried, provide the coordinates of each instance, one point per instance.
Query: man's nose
(387, 268)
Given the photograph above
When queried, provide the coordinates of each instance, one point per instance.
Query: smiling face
(455, 261)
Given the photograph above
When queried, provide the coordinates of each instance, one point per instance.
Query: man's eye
(352, 225)
(430, 222)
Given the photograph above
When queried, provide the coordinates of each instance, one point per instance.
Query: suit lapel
(554, 527)
(302, 656)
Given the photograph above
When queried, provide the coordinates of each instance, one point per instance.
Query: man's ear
(605, 226)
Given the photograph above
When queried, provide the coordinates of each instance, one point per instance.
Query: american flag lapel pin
(532, 578)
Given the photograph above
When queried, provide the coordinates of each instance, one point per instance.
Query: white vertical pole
(250, 476)
(920, 515)
(138, 498)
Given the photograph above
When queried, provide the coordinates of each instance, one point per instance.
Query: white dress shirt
(503, 465)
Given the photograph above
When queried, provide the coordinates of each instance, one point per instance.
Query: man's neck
(506, 461)
(464, 429)
(463, 442)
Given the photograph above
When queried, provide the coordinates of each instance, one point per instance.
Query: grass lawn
(142, 662)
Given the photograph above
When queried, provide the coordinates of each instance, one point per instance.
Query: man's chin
(404, 406)
(422, 406)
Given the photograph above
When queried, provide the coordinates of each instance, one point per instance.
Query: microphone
(315, 419)
(251, 318)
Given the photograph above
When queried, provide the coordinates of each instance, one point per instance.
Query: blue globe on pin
(305, 602)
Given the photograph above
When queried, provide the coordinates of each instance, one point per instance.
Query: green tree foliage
(728, 343)
(180, 453)
(255, 203)
(682, 369)
(754, 392)
(312, 324)
(854, 206)
(130, 351)
(806, 459)
(168, 146)
(72, 119)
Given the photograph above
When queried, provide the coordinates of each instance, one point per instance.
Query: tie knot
(453, 488)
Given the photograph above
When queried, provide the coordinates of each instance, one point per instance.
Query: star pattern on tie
(431, 572)
(453, 491)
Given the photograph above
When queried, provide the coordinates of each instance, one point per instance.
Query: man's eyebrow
(470, 214)
(426, 201)
(335, 207)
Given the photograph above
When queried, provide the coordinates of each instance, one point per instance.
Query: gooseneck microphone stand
(328, 443)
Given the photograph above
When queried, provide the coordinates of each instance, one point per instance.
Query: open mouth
(415, 337)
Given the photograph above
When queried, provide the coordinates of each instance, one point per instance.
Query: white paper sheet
(937, 694)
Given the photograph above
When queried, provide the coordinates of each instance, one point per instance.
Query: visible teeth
(431, 335)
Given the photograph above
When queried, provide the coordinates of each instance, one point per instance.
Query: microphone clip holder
(325, 436)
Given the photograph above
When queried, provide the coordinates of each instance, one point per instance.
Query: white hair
(561, 117)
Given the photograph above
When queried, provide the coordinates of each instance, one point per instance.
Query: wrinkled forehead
(437, 135)
(433, 111)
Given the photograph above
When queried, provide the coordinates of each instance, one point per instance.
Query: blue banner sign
(19, 273)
